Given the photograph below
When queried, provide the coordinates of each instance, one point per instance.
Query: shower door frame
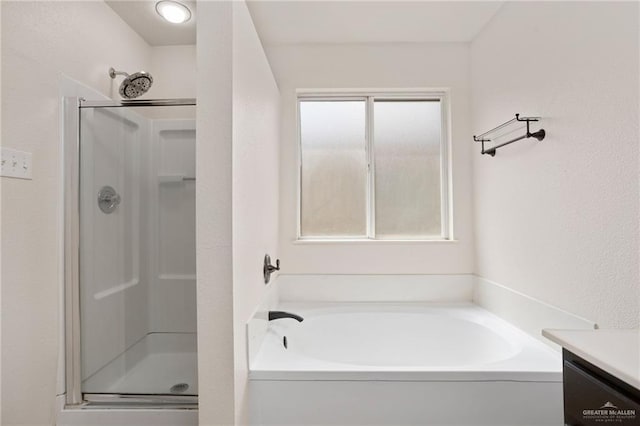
(74, 397)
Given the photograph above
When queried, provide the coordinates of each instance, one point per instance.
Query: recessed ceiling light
(172, 11)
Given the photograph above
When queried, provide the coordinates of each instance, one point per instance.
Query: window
(373, 167)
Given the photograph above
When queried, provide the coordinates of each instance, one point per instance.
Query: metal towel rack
(539, 135)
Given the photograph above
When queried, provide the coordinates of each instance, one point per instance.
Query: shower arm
(113, 73)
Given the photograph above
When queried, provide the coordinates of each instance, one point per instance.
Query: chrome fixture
(108, 199)
(126, 103)
(274, 315)
(133, 85)
(268, 268)
(173, 11)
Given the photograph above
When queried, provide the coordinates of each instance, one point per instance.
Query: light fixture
(172, 11)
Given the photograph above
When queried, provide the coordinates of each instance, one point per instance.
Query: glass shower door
(137, 251)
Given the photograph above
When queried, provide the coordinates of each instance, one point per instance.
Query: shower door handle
(108, 199)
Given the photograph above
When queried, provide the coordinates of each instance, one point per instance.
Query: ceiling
(299, 21)
(284, 22)
(142, 17)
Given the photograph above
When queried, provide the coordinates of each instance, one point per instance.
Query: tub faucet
(274, 315)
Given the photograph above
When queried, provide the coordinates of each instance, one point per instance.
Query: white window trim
(368, 95)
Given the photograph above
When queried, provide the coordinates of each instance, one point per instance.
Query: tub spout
(274, 315)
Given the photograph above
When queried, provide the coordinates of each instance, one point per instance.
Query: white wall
(213, 215)
(444, 65)
(558, 219)
(40, 40)
(174, 71)
(237, 139)
(256, 122)
(59, 295)
(174, 76)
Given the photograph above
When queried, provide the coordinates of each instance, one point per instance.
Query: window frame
(369, 97)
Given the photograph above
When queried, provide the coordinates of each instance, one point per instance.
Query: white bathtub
(393, 364)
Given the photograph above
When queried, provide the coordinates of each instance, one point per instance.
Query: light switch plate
(15, 164)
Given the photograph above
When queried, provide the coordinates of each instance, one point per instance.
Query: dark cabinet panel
(592, 397)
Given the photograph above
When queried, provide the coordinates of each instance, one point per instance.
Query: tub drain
(179, 388)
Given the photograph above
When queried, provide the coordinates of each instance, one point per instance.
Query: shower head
(133, 85)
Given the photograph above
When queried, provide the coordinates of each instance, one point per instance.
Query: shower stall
(130, 261)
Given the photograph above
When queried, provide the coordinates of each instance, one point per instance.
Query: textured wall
(174, 71)
(40, 40)
(442, 65)
(213, 214)
(256, 113)
(558, 219)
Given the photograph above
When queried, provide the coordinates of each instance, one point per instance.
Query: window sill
(321, 241)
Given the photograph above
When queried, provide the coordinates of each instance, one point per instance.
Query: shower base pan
(136, 387)
(159, 364)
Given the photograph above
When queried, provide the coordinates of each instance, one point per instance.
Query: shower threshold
(160, 369)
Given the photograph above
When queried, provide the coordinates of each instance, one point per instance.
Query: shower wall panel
(172, 291)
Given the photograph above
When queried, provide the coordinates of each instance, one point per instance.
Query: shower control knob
(108, 199)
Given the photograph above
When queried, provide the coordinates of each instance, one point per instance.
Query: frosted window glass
(334, 168)
(407, 138)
